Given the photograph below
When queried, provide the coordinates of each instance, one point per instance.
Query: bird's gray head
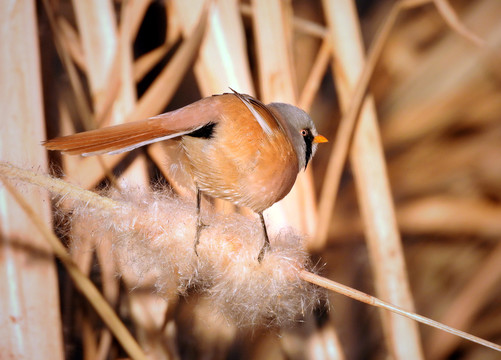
(302, 131)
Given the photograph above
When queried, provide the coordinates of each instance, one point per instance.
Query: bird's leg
(200, 224)
(266, 244)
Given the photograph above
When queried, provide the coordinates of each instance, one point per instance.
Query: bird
(236, 148)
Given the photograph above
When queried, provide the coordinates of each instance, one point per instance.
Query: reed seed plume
(152, 236)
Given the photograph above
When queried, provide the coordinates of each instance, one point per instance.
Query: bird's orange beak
(320, 139)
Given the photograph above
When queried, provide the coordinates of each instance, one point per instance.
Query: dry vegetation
(403, 203)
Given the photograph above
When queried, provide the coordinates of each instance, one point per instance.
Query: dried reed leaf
(418, 104)
(451, 216)
(84, 110)
(452, 19)
(97, 28)
(316, 75)
(438, 215)
(71, 42)
(162, 89)
(174, 26)
(463, 166)
(302, 25)
(470, 301)
(138, 9)
(146, 62)
(223, 57)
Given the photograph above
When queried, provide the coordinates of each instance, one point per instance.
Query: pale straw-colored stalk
(373, 190)
(30, 322)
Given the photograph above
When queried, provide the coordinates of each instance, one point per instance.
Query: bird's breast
(241, 163)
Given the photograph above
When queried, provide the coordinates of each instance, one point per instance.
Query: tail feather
(114, 139)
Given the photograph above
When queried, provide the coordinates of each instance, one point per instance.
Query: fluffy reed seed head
(152, 236)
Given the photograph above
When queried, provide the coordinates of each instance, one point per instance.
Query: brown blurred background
(438, 104)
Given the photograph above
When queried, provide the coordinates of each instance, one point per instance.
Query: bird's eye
(304, 132)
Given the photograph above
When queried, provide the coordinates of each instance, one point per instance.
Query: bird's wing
(266, 119)
(125, 137)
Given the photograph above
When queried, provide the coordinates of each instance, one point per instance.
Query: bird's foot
(266, 246)
(200, 227)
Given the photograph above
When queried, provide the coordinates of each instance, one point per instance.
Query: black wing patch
(205, 132)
